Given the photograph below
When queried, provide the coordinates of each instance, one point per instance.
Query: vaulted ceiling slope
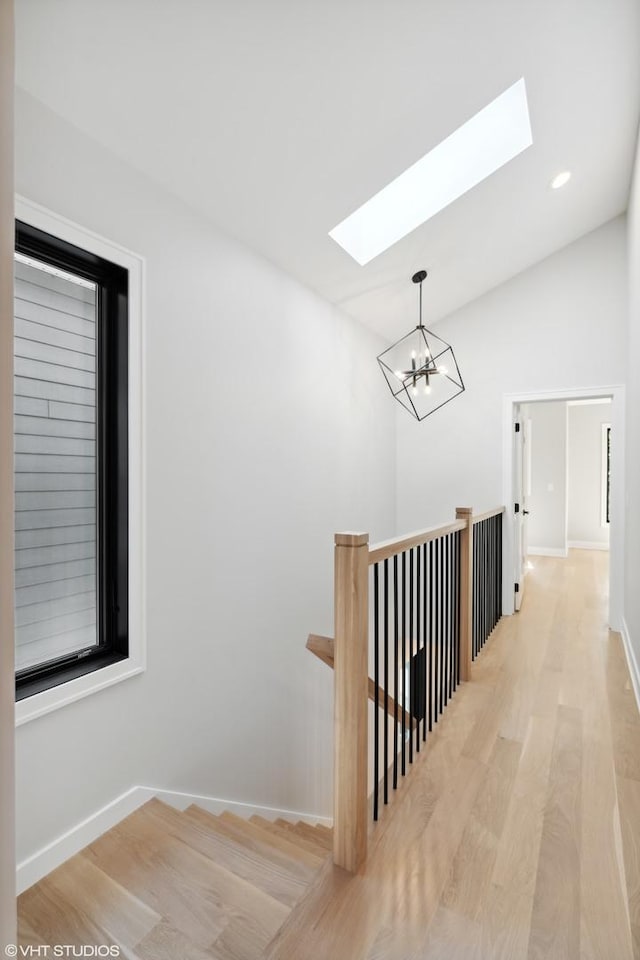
(278, 118)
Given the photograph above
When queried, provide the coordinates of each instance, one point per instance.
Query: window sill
(45, 702)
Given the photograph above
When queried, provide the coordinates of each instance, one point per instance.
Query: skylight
(495, 135)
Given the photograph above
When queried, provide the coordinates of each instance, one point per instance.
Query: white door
(521, 488)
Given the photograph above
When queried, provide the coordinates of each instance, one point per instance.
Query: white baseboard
(632, 661)
(43, 861)
(587, 545)
(547, 551)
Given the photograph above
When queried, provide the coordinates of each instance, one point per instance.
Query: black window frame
(112, 473)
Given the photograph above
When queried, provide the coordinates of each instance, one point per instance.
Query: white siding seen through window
(55, 464)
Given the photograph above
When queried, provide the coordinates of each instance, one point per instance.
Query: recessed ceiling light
(560, 179)
(495, 135)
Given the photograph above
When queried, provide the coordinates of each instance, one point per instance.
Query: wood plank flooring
(170, 884)
(518, 835)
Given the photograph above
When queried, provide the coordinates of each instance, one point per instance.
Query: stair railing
(416, 611)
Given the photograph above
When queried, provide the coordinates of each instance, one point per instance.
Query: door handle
(525, 512)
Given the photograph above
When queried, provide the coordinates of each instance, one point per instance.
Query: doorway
(536, 487)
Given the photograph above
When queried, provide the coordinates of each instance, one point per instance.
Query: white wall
(632, 565)
(547, 504)
(559, 324)
(268, 428)
(7, 690)
(585, 479)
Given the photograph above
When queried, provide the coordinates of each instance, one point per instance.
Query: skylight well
(486, 142)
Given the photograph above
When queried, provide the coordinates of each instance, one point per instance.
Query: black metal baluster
(404, 660)
(425, 640)
(411, 690)
(488, 587)
(483, 580)
(445, 617)
(452, 614)
(456, 603)
(485, 591)
(492, 581)
(431, 638)
(482, 572)
(474, 601)
(436, 627)
(492, 546)
(440, 622)
(376, 681)
(494, 570)
(487, 575)
(486, 583)
(450, 604)
(417, 660)
(386, 681)
(396, 687)
(443, 620)
(499, 586)
(479, 647)
(476, 590)
(497, 568)
(500, 565)
(452, 655)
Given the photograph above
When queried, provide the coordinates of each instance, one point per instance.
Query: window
(71, 461)
(605, 509)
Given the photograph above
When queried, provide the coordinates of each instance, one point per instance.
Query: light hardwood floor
(518, 835)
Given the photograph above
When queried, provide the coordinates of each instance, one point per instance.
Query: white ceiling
(277, 118)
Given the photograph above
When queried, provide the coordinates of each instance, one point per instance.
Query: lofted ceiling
(277, 118)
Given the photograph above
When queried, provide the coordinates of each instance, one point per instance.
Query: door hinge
(516, 587)
(517, 426)
(516, 508)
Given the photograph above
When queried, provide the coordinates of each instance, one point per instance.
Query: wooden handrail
(389, 548)
(479, 517)
(323, 648)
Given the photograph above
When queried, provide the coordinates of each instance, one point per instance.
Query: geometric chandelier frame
(421, 369)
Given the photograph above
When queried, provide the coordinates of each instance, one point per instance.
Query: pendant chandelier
(421, 368)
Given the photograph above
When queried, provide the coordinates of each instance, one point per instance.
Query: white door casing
(510, 549)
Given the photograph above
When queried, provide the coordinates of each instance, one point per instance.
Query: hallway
(518, 836)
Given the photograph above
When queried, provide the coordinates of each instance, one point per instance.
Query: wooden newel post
(466, 590)
(351, 670)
